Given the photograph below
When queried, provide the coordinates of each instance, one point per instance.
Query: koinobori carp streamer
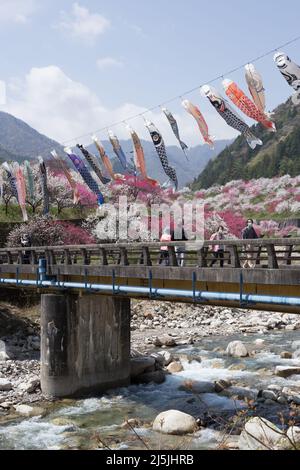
(197, 115)
(175, 129)
(67, 173)
(256, 87)
(139, 154)
(161, 151)
(45, 191)
(229, 115)
(85, 174)
(291, 72)
(92, 160)
(241, 100)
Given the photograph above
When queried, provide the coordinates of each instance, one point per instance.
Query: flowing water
(90, 423)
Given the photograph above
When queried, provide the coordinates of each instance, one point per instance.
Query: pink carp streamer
(21, 188)
(67, 173)
(244, 103)
(197, 115)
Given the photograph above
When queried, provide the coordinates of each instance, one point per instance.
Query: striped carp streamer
(139, 157)
(105, 159)
(175, 129)
(85, 174)
(230, 116)
(21, 187)
(67, 173)
(197, 115)
(30, 180)
(161, 151)
(45, 191)
(92, 160)
(119, 151)
(247, 106)
(11, 179)
(255, 84)
(291, 72)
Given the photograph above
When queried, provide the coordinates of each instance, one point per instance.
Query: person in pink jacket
(218, 250)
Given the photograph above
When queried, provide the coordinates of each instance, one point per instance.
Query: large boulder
(175, 367)
(285, 371)
(5, 385)
(164, 358)
(259, 434)
(237, 349)
(29, 411)
(30, 386)
(139, 365)
(157, 377)
(175, 422)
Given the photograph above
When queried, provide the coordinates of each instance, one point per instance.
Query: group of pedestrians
(218, 249)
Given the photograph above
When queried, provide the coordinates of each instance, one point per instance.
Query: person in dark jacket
(249, 233)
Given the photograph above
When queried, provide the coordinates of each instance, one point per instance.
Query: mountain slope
(22, 141)
(279, 155)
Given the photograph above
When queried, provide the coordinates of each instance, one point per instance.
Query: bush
(44, 231)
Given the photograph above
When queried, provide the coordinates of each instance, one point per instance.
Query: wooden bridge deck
(276, 270)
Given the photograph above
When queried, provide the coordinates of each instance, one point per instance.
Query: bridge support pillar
(85, 344)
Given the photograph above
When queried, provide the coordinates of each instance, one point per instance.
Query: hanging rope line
(187, 92)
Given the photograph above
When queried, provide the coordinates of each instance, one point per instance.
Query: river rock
(286, 355)
(240, 392)
(259, 434)
(175, 367)
(30, 386)
(164, 358)
(175, 422)
(198, 387)
(5, 385)
(164, 340)
(158, 377)
(259, 342)
(283, 371)
(269, 395)
(29, 411)
(139, 365)
(294, 435)
(221, 385)
(237, 349)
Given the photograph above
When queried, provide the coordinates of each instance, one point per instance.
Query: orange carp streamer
(105, 159)
(244, 103)
(139, 157)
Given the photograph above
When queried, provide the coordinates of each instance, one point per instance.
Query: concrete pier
(85, 344)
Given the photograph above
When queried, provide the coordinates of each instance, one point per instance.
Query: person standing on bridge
(167, 236)
(249, 233)
(218, 250)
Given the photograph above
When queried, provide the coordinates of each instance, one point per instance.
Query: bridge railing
(274, 254)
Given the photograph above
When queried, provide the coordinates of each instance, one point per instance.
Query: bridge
(86, 291)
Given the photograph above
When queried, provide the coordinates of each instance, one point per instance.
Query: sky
(73, 67)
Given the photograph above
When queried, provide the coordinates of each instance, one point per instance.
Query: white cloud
(61, 108)
(107, 62)
(16, 11)
(82, 24)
